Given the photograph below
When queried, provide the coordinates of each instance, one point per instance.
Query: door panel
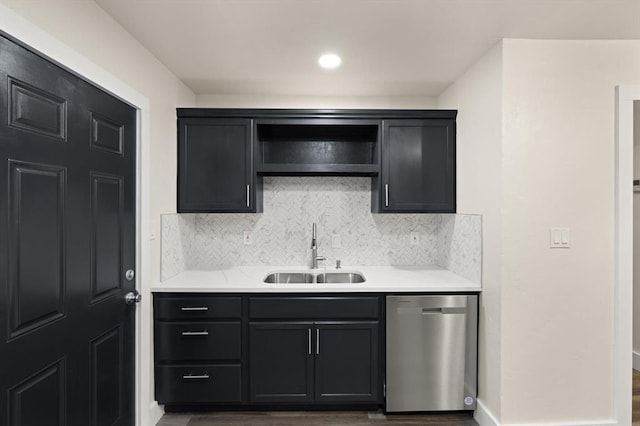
(418, 170)
(215, 165)
(280, 362)
(106, 135)
(346, 362)
(67, 236)
(107, 211)
(40, 399)
(37, 256)
(106, 378)
(36, 110)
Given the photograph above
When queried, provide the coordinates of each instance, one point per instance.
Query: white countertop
(249, 279)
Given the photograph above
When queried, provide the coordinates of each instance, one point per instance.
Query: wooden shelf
(319, 169)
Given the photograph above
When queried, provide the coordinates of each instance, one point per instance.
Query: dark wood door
(215, 165)
(418, 166)
(67, 236)
(280, 362)
(346, 361)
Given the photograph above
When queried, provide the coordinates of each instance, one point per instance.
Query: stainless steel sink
(289, 278)
(309, 278)
(340, 278)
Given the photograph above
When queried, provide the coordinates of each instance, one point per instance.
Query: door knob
(132, 297)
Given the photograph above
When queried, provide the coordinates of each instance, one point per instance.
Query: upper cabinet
(223, 154)
(215, 167)
(418, 173)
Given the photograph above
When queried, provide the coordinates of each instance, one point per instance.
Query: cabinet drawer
(333, 307)
(197, 307)
(193, 341)
(198, 384)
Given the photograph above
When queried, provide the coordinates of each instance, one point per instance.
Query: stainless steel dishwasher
(431, 353)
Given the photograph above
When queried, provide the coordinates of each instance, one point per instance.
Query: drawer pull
(194, 308)
(196, 377)
(195, 333)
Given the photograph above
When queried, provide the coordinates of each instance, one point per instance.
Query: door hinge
(384, 390)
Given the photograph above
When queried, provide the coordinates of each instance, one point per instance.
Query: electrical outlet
(414, 239)
(336, 241)
(247, 238)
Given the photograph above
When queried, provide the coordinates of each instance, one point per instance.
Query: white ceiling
(388, 47)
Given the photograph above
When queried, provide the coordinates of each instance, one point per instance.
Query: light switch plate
(559, 237)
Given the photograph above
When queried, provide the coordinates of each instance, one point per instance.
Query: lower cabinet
(267, 350)
(322, 361)
(198, 349)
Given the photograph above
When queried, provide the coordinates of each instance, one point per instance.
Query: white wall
(271, 101)
(558, 170)
(478, 97)
(542, 115)
(636, 235)
(89, 31)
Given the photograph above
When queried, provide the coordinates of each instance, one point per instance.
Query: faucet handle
(338, 264)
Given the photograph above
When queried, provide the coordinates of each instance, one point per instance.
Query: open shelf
(317, 147)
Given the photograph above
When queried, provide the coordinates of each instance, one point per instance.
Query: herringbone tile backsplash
(339, 205)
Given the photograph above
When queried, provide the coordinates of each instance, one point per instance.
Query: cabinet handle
(317, 341)
(194, 308)
(386, 195)
(248, 198)
(195, 333)
(309, 341)
(196, 377)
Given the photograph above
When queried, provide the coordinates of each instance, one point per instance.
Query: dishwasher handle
(442, 310)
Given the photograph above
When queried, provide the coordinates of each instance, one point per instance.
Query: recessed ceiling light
(329, 61)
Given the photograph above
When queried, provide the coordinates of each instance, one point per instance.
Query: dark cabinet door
(418, 166)
(346, 361)
(280, 362)
(215, 166)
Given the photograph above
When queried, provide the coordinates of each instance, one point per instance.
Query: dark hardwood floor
(316, 418)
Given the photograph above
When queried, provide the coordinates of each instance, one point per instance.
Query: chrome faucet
(314, 248)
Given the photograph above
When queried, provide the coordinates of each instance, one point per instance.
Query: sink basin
(309, 278)
(289, 278)
(340, 278)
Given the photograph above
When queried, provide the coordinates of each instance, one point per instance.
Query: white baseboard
(576, 423)
(155, 413)
(636, 360)
(483, 416)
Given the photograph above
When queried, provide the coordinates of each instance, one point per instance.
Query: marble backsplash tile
(339, 206)
(176, 244)
(460, 245)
